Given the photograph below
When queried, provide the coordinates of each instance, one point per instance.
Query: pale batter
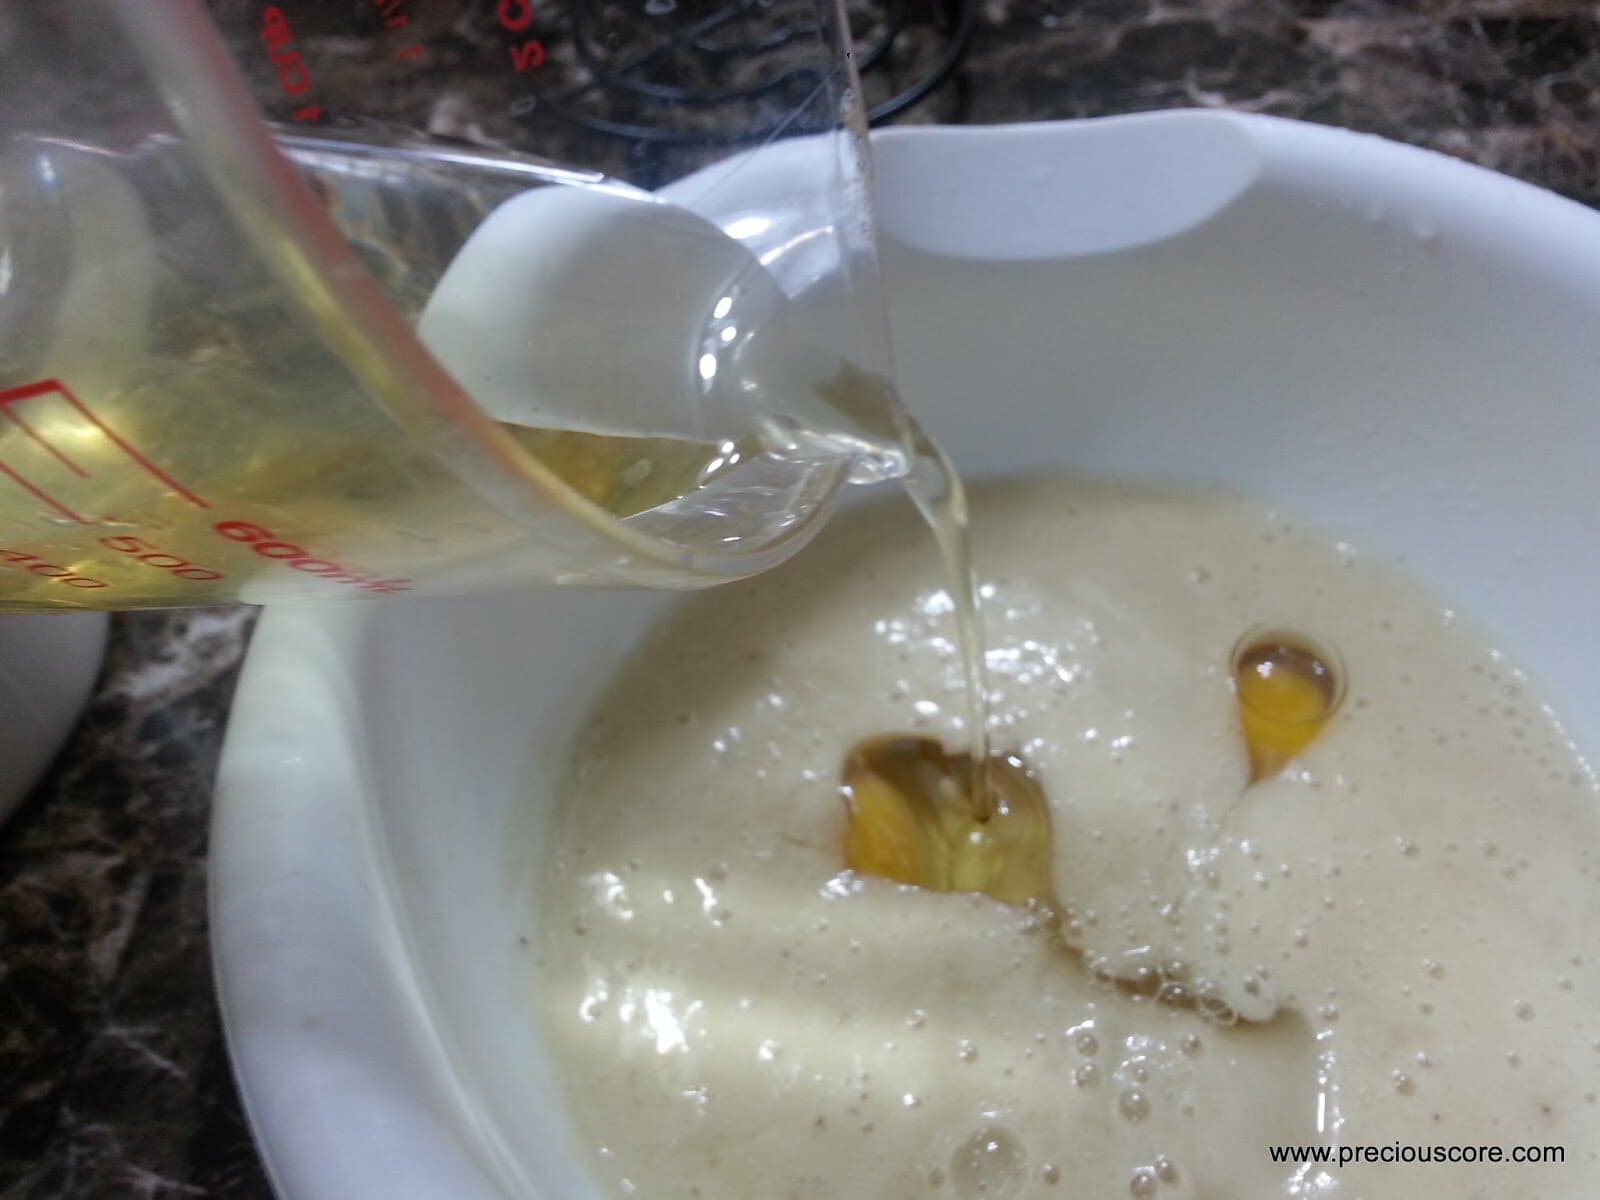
(1406, 914)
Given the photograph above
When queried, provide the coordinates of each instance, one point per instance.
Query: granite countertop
(115, 1079)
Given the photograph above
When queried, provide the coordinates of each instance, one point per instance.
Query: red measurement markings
(33, 436)
(39, 495)
(514, 17)
(393, 13)
(51, 406)
(394, 16)
(294, 77)
(153, 556)
(52, 398)
(266, 543)
(34, 565)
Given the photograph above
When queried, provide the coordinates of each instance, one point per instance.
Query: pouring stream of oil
(939, 495)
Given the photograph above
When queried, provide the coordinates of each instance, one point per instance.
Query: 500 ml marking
(49, 468)
(153, 556)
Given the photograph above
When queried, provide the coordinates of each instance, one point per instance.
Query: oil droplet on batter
(989, 1165)
(1287, 688)
(910, 819)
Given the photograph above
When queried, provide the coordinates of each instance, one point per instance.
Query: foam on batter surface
(1396, 931)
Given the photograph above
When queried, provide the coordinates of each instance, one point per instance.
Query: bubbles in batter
(1335, 954)
(1133, 1104)
(989, 1165)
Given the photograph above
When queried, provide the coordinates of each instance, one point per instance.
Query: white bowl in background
(48, 665)
(1388, 342)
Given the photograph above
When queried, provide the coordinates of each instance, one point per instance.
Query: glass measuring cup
(226, 374)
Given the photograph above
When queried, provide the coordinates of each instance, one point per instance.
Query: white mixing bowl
(1388, 342)
(48, 664)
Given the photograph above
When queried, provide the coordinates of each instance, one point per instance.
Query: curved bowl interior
(1393, 344)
